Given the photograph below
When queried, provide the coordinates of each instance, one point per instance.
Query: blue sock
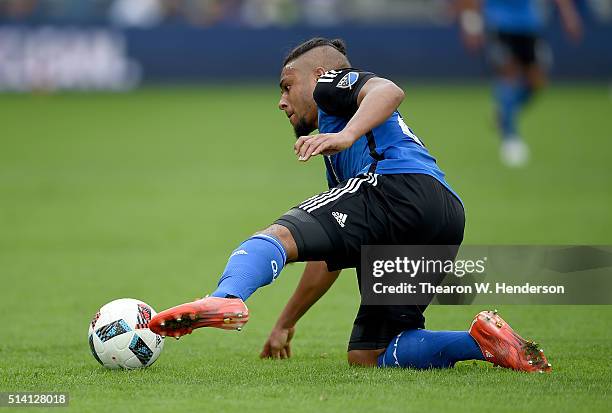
(425, 349)
(255, 263)
(510, 96)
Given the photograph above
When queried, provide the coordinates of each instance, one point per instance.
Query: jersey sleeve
(337, 90)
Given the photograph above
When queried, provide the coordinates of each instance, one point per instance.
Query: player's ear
(319, 71)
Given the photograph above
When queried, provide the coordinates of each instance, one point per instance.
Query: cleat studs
(549, 365)
(238, 328)
(239, 315)
(488, 318)
(227, 320)
(178, 319)
(163, 323)
(542, 350)
(495, 311)
(530, 362)
(499, 324)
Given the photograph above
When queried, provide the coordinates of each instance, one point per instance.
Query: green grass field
(143, 195)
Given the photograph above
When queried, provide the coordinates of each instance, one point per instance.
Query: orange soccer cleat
(503, 347)
(225, 313)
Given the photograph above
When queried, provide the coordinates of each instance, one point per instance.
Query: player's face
(297, 101)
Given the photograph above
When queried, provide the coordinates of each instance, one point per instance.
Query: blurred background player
(511, 30)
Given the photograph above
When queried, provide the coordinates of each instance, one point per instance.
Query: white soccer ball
(119, 335)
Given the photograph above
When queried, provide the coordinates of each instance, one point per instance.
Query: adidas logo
(340, 217)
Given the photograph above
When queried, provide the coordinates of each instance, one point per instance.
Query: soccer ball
(119, 335)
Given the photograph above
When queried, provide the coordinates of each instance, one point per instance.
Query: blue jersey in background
(513, 16)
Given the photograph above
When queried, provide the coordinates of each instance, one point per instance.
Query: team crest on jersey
(348, 80)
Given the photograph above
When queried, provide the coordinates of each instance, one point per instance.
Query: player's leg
(538, 59)
(509, 90)
(374, 328)
(535, 72)
(533, 57)
(256, 262)
(296, 236)
(419, 211)
(489, 338)
(425, 349)
(510, 55)
(506, 85)
(393, 336)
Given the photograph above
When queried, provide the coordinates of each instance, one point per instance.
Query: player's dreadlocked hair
(308, 45)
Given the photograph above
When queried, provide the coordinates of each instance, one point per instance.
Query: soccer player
(385, 188)
(512, 30)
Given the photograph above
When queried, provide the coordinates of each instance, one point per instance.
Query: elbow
(400, 94)
(393, 92)
(397, 93)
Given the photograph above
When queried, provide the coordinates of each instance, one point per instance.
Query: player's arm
(377, 99)
(570, 18)
(471, 23)
(315, 282)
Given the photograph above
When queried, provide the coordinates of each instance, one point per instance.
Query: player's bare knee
(363, 358)
(536, 77)
(283, 235)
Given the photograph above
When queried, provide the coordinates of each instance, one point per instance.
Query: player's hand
(472, 29)
(573, 27)
(278, 344)
(324, 143)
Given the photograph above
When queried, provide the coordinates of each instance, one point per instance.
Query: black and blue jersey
(390, 148)
(513, 16)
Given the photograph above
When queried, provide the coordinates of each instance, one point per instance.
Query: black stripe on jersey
(372, 145)
(375, 155)
(332, 171)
